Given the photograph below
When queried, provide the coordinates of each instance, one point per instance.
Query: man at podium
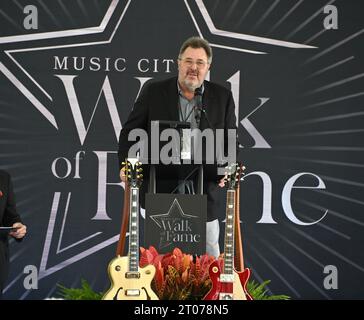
(186, 98)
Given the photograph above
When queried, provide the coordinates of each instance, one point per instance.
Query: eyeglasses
(189, 63)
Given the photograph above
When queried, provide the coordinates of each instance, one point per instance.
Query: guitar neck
(229, 233)
(239, 255)
(134, 230)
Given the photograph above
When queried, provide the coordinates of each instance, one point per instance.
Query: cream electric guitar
(128, 280)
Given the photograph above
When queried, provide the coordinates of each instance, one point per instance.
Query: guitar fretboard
(134, 230)
(229, 233)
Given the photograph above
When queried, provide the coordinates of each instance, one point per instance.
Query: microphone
(199, 108)
(198, 91)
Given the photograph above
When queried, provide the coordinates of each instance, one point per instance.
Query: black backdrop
(67, 88)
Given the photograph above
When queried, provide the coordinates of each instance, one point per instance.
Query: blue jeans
(212, 238)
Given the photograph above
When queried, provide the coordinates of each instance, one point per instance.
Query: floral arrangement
(178, 276)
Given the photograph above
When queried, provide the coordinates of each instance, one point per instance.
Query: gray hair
(196, 43)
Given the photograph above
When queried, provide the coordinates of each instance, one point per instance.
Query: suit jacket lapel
(208, 105)
(171, 95)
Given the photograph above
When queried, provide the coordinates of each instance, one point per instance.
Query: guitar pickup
(226, 296)
(226, 277)
(132, 275)
(132, 292)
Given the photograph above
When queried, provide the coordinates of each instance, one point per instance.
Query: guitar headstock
(234, 173)
(133, 169)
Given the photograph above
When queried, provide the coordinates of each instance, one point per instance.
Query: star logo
(171, 223)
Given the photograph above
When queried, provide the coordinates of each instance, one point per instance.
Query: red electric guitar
(227, 283)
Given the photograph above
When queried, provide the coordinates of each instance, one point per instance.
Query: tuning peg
(123, 163)
(139, 176)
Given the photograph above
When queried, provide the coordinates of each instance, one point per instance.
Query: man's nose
(194, 66)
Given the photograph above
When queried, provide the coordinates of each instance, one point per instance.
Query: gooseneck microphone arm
(199, 108)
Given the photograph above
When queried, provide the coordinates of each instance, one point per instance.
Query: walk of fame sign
(176, 221)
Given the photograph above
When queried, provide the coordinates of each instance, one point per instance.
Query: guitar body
(129, 285)
(236, 288)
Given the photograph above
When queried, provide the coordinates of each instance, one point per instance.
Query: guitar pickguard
(129, 285)
(223, 288)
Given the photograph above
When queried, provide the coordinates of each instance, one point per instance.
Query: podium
(172, 219)
(175, 220)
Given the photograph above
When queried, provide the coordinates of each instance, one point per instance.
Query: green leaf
(83, 293)
(259, 292)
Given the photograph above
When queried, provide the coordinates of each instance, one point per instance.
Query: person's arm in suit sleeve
(138, 118)
(11, 217)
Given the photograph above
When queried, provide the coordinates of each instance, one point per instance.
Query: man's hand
(20, 232)
(122, 175)
(222, 182)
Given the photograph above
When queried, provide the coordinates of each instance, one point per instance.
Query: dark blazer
(159, 100)
(8, 216)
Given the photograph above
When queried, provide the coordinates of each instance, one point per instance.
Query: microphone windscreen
(198, 91)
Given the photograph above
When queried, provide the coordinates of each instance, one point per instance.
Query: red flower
(178, 276)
